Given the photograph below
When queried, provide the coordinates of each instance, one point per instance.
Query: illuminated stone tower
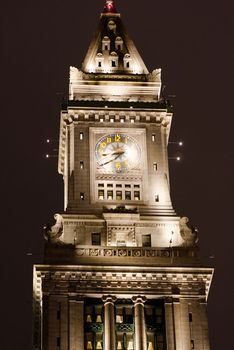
(121, 269)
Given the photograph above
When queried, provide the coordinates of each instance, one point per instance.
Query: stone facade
(121, 270)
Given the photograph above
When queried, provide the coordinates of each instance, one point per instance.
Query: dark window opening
(101, 194)
(127, 64)
(146, 240)
(58, 341)
(128, 195)
(58, 314)
(99, 64)
(192, 345)
(96, 239)
(119, 195)
(156, 198)
(106, 47)
(155, 166)
(190, 317)
(136, 195)
(113, 63)
(110, 195)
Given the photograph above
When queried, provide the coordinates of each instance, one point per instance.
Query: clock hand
(113, 153)
(111, 160)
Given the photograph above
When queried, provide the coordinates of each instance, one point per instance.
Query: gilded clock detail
(117, 152)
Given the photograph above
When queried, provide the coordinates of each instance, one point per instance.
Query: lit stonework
(121, 269)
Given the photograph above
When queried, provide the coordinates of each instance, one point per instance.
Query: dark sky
(192, 41)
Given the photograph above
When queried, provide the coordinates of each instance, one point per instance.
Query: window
(190, 317)
(146, 240)
(100, 185)
(155, 166)
(118, 47)
(121, 120)
(136, 195)
(112, 120)
(99, 64)
(58, 311)
(58, 342)
(81, 165)
(132, 120)
(101, 194)
(192, 344)
(109, 185)
(113, 63)
(110, 195)
(136, 186)
(96, 239)
(128, 195)
(82, 196)
(101, 120)
(156, 198)
(127, 186)
(153, 137)
(81, 136)
(106, 47)
(118, 195)
(118, 185)
(127, 64)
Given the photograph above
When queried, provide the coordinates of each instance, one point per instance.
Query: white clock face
(117, 153)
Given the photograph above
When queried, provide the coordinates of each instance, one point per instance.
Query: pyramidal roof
(112, 51)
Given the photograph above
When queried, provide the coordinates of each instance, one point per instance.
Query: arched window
(106, 43)
(127, 61)
(114, 60)
(99, 60)
(119, 43)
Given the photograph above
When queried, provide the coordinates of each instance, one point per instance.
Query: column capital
(109, 299)
(139, 299)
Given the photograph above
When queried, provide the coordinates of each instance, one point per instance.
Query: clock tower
(121, 269)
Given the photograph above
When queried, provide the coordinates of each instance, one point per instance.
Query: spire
(112, 51)
(109, 7)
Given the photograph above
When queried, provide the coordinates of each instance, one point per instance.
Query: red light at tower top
(109, 7)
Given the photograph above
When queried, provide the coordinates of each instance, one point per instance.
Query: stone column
(139, 320)
(109, 322)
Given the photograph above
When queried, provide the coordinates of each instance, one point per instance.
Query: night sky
(192, 41)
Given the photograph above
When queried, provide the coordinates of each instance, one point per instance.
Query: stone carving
(53, 233)
(122, 252)
(188, 232)
(155, 75)
(75, 74)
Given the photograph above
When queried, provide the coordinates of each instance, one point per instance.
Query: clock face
(118, 153)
